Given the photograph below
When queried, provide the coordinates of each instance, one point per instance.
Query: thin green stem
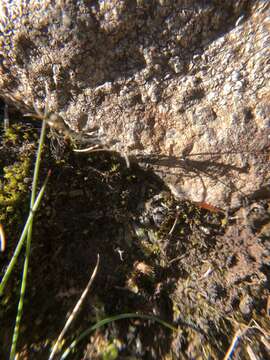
(37, 163)
(16, 331)
(17, 251)
(110, 319)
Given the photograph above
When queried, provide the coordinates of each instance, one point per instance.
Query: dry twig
(75, 311)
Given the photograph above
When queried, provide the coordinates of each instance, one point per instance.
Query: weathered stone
(183, 85)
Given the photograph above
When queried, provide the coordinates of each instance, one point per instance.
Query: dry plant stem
(174, 225)
(251, 353)
(95, 149)
(178, 258)
(233, 345)
(6, 118)
(259, 328)
(239, 334)
(75, 310)
(28, 245)
(265, 343)
(2, 239)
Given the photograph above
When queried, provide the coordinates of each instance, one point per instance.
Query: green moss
(111, 352)
(13, 188)
(150, 249)
(16, 161)
(115, 167)
(11, 135)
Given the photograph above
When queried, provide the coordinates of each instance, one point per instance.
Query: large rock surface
(183, 85)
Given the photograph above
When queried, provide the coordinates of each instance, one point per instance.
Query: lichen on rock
(182, 85)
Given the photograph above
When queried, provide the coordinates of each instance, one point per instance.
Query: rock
(246, 305)
(156, 78)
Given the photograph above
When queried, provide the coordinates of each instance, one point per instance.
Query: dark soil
(199, 268)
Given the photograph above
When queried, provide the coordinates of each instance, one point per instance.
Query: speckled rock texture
(181, 85)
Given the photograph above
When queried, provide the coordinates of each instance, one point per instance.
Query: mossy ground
(207, 276)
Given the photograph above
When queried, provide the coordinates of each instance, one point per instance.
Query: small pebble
(246, 305)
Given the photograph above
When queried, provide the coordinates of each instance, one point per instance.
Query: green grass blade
(111, 319)
(37, 163)
(16, 331)
(17, 251)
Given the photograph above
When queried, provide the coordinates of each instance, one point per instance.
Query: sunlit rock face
(181, 85)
